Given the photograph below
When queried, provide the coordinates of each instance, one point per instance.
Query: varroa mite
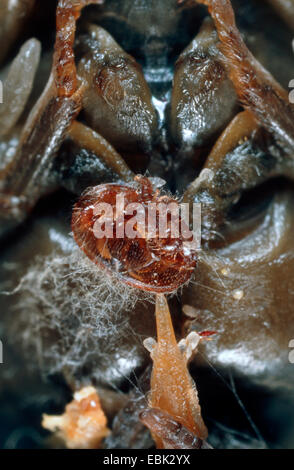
(158, 264)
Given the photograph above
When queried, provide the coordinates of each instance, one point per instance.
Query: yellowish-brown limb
(172, 388)
(256, 88)
(240, 128)
(94, 142)
(67, 14)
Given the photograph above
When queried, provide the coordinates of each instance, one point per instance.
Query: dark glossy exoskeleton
(150, 87)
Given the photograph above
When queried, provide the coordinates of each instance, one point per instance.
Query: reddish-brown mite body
(152, 264)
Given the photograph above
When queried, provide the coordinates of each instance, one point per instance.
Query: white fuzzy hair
(72, 317)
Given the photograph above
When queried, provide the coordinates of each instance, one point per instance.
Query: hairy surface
(71, 316)
(255, 86)
(75, 324)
